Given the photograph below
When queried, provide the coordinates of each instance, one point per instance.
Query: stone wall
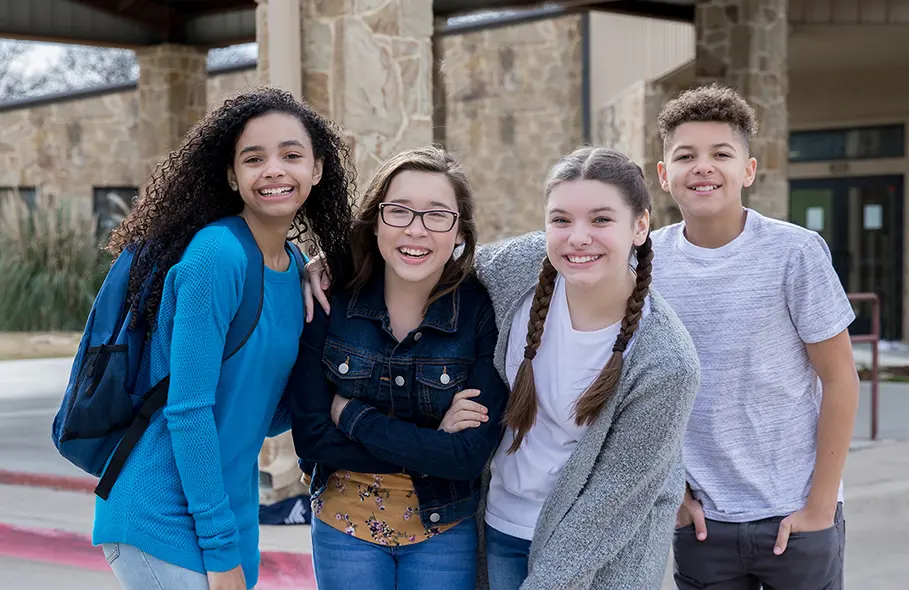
(221, 86)
(628, 124)
(70, 146)
(744, 44)
(513, 107)
(367, 65)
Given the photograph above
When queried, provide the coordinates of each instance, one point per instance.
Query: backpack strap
(247, 316)
(301, 259)
(155, 399)
(241, 328)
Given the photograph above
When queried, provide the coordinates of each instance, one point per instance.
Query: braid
(592, 401)
(521, 412)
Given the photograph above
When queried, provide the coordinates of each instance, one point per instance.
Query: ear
(232, 179)
(750, 171)
(317, 171)
(664, 177)
(641, 228)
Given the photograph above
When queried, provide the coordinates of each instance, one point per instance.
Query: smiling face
(590, 232)
(415, 254)
(706, 166)
(274, 167)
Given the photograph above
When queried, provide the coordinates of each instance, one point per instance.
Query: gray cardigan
(609, 521)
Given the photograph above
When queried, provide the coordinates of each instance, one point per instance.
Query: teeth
(703, 189)
(412, 252)
(582, 259)
(276, 191)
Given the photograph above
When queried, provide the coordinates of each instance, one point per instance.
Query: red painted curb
(278, 570)
(51, 546)
(54, 482)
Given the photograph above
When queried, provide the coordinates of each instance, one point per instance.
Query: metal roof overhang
(216, 23)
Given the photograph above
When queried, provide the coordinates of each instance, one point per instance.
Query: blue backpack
(101, 412)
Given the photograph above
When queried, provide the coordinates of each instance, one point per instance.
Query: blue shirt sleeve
(208, 286)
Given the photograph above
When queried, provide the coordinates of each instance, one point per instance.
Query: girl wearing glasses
(394, 486)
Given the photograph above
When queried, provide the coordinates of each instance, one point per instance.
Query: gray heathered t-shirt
(750, 307)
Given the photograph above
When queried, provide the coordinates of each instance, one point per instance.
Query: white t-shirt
(750, 307)
(566, 363)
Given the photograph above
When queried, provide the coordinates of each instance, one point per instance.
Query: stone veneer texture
(513, 108)
(70, 146)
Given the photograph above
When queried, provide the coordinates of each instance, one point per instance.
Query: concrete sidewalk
(47, 526)
(876, 509)
(54, 527)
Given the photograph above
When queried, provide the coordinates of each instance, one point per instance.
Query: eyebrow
(436, 204)
(592, 211)
(723, 144)
(283, 144)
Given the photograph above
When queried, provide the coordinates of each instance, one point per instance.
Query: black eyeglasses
(435, 220)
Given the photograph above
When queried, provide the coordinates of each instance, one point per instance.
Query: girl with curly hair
(184, 511)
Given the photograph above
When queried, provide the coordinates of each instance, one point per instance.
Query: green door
(861, 219)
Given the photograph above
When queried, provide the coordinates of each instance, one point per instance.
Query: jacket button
(343, 368)
(417, 336)
(445, 379)
(399, 381)
(434, 517)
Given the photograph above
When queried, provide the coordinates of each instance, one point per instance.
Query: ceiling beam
(663, 10)
(146, 12)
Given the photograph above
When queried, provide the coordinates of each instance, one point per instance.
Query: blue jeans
(445, 562)
(506, 560)
(137, 570)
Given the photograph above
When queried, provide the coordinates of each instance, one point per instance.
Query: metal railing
(874, 339)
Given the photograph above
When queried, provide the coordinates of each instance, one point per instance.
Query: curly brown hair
(189, 189)
(609, 167)
(708, 104)
(365, 248)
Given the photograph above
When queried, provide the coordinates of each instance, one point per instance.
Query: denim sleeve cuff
(351, 415)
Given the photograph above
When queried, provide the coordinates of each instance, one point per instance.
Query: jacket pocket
(351, 373)
(439, 382)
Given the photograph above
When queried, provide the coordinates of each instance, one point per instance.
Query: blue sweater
(189, 493)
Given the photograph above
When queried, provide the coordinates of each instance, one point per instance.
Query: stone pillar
(439, 97)
(744, 44)
(367, 65)
(262, 41)
(283, 46)
(172, 98)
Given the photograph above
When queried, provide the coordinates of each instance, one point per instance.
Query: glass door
(861, 219)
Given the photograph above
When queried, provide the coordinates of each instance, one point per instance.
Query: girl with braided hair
(586, 480)
(184, 510)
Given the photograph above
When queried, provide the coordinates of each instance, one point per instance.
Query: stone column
(744, 44)
(367, 65)
(172, 98)
(262, 41)
(278, 30)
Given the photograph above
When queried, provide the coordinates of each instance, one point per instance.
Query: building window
(858, 143)
(112, 205)
(28, 194)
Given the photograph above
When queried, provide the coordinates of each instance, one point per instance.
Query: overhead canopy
(214, 23)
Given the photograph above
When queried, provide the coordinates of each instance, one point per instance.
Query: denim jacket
(399, 392)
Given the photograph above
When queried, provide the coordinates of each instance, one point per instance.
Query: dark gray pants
(739, 556)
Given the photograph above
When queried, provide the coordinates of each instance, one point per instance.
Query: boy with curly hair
(768, 437)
